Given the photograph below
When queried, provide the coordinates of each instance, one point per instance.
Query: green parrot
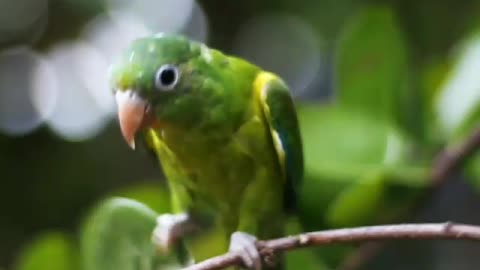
(226, 135)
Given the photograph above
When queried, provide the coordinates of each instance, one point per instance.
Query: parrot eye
(166, 77)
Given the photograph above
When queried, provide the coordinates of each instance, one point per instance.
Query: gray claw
(245, 245)
(169, 228)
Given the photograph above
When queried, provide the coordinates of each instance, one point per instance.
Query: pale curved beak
(133, 114)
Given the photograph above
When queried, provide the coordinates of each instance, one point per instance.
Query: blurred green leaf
(434, 75)
(371, 61)
(347, 143)
(469, 124)
(472, 166)
(117, 235)
(372, 70)
(153, 194)
(357, 205)
(457, 101)
(52, 250)
(358, 172)
(345, 149)
(335, 135)
(473, 170)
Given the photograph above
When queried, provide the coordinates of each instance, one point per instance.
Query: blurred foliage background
(381, 87)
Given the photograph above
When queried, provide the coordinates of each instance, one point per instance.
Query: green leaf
(374, 199)
(457, 103)
(472, 165)
(117, 235)
(332, 134)
(51, 250)
(473, 170)
(434, 75)
(465, 125)
(357, 204)
(336, 138)
(153, 194)
(372, 69)
(342, 151)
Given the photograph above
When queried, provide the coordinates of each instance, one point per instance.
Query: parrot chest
(218, 171)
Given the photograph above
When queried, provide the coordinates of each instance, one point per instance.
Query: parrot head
(162, 79)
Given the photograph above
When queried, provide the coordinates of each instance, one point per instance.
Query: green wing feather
(281, 117)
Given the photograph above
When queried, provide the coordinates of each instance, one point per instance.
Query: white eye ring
(167, 77)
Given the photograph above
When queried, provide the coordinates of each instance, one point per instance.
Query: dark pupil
(167, 76)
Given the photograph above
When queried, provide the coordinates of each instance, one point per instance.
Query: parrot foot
(245, 245)
(169, 228)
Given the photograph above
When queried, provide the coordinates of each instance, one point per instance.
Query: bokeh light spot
(159, 16)
(282, 44)
(113, 32)
(91, 68)
(112, 36)
(197, 27)
(27, 91)
(78, 115)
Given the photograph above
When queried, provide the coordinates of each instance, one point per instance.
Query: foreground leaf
(117, 235)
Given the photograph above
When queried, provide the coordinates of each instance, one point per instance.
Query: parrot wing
(280, 115)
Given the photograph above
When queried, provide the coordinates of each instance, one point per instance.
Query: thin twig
(451, 158)
(446, 163)
(359, 234)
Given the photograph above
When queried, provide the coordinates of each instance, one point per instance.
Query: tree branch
(446, 162)
(451, 158)
(359, 234)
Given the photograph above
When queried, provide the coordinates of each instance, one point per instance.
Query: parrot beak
(133, 114)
